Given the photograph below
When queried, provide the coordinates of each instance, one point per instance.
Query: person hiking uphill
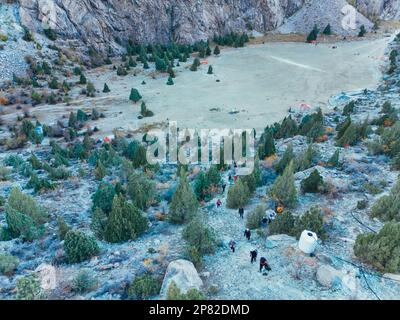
(223, 188)
(241, 213)
(264, 265)
(253, 255)
(232, 245)
(247, 234)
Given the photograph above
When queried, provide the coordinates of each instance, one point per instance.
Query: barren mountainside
(385, 9)
(100, 22)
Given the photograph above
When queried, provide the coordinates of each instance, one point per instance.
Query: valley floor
(257, 85)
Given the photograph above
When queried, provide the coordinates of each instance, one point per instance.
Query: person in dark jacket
(264, 265)
(241, 213)
(253, 255)
(232, 245)
(247, 234)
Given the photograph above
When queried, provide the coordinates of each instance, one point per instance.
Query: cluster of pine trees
(232, 39)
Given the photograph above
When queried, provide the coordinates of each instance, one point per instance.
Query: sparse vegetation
(382, 249)
(184, 204)
(79, 247)
(144, 287)
(284, 189)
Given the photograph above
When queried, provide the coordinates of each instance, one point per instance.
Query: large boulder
(328, 276)
(185, 276)
(47, 275)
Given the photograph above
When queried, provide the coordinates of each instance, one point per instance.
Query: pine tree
(313, 183)
(161, 65)
(267, 144)
(217, 51)
(103, 197)
(135, 96)
(141, 190)
(81, 116)
(99, 223)
(287, 157)
(342, 127)
(54, 84)
(327, 31)
(208, 51)
(139, 158)
(171, 72)
(283, 224)
(63, 228)
(238, 195)
(202, 53)
(210, 70)
(350, 136)
(380, 249)
(72, 120)
(195, 65)
(170, 82)
(311, 220)
(82, 79)
(126, 222)
(132, 63)
(288, 128)
(284, 189)
(146, 65)
(193, 68)
(362, 32)
(79, 247)
(349, 108)
(202, 187)
(121, 71)
(313, 36)
(334, 160)
(305, 160)
(100, 171)
(35, 162)
(184, 204)
(106, 88)
(90, 89)
(387, 208)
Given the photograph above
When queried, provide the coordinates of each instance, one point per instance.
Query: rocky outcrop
(101, 22)
(185, 276)
(343, 18)
(384, 9)
(329, 277)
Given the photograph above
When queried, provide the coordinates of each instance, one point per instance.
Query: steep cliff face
(99, 22)
(384, 9)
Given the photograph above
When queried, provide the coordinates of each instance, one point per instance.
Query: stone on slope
(328, 276)
(185, 276)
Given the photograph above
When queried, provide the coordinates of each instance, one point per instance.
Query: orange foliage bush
(3, 101)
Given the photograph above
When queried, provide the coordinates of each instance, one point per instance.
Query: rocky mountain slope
(100, 22)
(343, 18)
(384, 9)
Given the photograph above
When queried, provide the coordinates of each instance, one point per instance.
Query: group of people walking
(264, 265)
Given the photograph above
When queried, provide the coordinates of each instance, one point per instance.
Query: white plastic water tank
(308, 242)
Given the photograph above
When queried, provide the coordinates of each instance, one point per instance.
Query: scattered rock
(184, 274)
(328, 276)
